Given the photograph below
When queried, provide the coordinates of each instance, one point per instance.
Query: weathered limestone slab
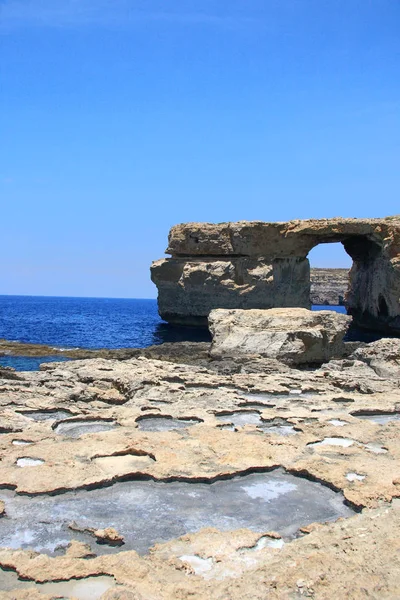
(383, 356)
(345, 427)
(294, 336)
(264, 265)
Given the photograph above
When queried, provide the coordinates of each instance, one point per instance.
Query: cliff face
(265, 265)
(190, 288)
(329, 286)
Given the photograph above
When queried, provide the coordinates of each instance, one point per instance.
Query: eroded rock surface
(293, 336)
(238, 413)
(257, 265)
(382, 356)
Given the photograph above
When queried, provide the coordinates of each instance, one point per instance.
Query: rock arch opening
(329, 273)
(368, 288)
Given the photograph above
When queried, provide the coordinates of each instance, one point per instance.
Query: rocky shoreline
(328, 287)
(13, 348)
(126, 477)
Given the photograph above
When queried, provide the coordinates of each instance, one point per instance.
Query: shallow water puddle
(375, 448)
(240, 418)
(90, 588)
(21, 443)
(199, 565)
(268, 399)
(74, 428)
(338, 422)
(278, 426)
(146, 512)
(45, 415)
(281, 430)
(27, 461)
(164, 423)
(278, 544)
(379, 418)
(294, 395)
(334, 441)
(355, 477)
(347, 442)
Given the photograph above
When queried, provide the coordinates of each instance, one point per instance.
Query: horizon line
(77, 297)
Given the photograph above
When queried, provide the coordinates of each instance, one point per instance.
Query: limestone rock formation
(328, 286)
(291, 335)
(264, 265)
(276, 433)
(382, 356)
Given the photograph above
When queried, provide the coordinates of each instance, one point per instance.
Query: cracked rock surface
(94, 430)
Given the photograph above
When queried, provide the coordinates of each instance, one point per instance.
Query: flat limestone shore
(93, 431)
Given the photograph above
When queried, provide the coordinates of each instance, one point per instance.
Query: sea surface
(84, 323)
(88, 323)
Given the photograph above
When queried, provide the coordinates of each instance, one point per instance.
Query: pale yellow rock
(109, 535)
(329, 562)
(291, 335)
(260, 265)
(77, 549)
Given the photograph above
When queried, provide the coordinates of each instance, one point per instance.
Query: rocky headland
(264, 465)
(261, 265)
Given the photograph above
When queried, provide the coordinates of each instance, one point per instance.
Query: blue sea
(84, 323)
(88, 323)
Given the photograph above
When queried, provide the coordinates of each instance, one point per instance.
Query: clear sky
(120, 118)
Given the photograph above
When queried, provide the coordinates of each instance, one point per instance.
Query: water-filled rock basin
(88, 588)
(46, 415)
(146, 512)
(74, 428)
(380, 418)
(240, 418)
(164, 423)
(28, 461)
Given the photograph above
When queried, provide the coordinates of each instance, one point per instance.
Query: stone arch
(258, 264)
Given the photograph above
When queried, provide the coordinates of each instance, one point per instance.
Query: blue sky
(120, 118)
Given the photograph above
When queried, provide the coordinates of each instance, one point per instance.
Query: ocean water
(339, 309)
(84, 323)
(88, 323)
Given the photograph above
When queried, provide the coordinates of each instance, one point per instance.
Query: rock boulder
(293, 336)
(383, 356)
